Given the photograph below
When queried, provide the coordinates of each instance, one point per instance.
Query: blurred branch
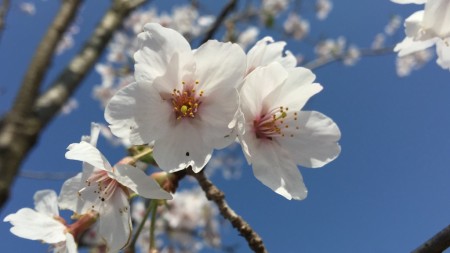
(19, 131)
(214, 194)
(219, 20)
(320, 62)
(3, 11)
(42, 175)
(438, 243)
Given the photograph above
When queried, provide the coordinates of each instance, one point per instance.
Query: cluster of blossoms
(186, 103)
(427, 28)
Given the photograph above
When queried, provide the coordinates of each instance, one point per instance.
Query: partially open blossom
(43, 223)
(276, 135)
(183, 100)
(106, 190)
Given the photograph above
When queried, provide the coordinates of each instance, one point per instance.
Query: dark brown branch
(219, 20)
(320, 62)
(3, 11)
(214, 194)
(19, 132)
(438, 243)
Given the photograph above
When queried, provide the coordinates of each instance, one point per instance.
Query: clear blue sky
(387, 192)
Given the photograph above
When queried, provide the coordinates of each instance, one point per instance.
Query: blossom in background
(276, 135)
(43, 223)
(330, 47)
(183, 100)
(416, 60)
(427, 28)
(248, 36)
(296, 26)
(323, 8)
(28, 8)
(352, 55)
(105, 190)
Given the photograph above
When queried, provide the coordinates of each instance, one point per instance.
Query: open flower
(427, 28)
(276, 135)
(106, 190)
(43, 223)
(184, 100)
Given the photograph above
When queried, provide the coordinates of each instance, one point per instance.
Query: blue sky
(387, 192)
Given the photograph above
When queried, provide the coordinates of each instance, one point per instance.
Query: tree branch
(320, 62)
(214, 194)
(437, 244)
(18, 132)
(219, 20)
(3, 11)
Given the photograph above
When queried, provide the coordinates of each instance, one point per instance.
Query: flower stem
(154, 206)
(141, 225)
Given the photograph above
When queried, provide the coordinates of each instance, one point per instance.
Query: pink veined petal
(183, 147)
(314, 143)
(137, 112)
(85, 152)
(32, 225)
(69, 197)
(115, 222)
(276, 169)
(409, 46)
(443, 53)
(258, 84)
(157, 46)
(45, 202)
(219, 64)
(437, 18)
(71, 246)
(139, 182)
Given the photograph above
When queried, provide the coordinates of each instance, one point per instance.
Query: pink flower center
(106, 186)
(186, 102)
(273, 123)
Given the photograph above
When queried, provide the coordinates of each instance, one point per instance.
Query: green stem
(152, 226)
(141, 226)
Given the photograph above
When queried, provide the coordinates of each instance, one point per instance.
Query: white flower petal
(137, 112)
(437, 18)
(68, 197)
(219, 64)
(443, 52)
(274, 168)
(32, 225)
(45, 202)
(314, 144)
(139, 182)
(409, 46)
(183, 147)
(267, 51)
(413, 26)
(85, 152)
(71, 246)
(115, 222)
(157, 46)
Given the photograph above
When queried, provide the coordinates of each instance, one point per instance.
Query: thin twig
(219, 20)
(438, 243)
(214, 194)
(322, 61)
(18, 135)
(3, 12)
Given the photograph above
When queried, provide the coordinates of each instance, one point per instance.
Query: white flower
(106, 189)
(427, 28)
(323, 8)
(184, 100)
(296, 26)
(409, 1)
(276, 135)
(43, 223)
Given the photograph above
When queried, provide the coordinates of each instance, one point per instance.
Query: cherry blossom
(276, 135)
(43, 223)
(106, 190)
(182, 99)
